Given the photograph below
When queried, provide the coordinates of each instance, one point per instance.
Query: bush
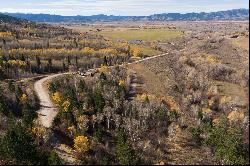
(53, 88)
(28, 116)
(227, 142)
(54, 159)
(98, 134)
(173, 115)
(196, 134)
(162, 114)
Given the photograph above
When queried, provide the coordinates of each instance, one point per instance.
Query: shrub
(54, 159)
(227, 142)
(81, 144)
(173, 115)
(196, 134)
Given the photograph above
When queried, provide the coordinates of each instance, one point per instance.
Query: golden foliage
(211, 59)
(108, 51)
(65, 148)
(82, 122)
(216, 121)
(5, 34)
(81, 144)
(160, 163)
(82, 119)
(225, 100)
(24, 98)
(211, 102)
(103, 69)
(172, 104)
(136, 52)
(72, 130)
(236, 115)
(38, 131)
(121, 83)
(57, 98)
(51, 52)
(142, 97)
(65, 106)
(206, 111)
(88, 51)
(17, 63)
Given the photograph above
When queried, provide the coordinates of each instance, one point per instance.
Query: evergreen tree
(50, 64)
(64, 66)
(68, 60)
(124, 150)
(18, 146)
(99, 101)
(11, 86)
(82, 86)
(28, 115)
(105, 61)
(38, 62)
(76, 61)
(3, 105)
(54, 159)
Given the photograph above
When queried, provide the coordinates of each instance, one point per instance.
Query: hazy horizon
(118, 7)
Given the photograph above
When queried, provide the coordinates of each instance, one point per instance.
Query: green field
(141, 34)
(149, 51)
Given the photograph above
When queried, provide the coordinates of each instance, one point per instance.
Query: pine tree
(82, 86)
(38, 62)
(68, 60)
(124, 150)
(105, 61)
(18, 146)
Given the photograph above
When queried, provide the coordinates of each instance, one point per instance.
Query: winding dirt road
(47, 111)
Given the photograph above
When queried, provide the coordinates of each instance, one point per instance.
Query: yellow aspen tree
(81, 144)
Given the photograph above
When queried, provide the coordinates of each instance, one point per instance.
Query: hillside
(125, 92)
(235, 14)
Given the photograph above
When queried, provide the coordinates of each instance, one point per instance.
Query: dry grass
(235, 91)
(242, 42)
(152, 83)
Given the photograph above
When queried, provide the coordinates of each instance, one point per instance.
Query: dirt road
(47, 111)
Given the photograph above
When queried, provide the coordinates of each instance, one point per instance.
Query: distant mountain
(235, 14)
(9, 19)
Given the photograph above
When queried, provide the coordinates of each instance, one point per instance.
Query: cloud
(118, 7)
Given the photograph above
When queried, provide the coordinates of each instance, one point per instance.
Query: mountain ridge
(234, 14)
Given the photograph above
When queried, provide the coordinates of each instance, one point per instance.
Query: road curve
(48, 111)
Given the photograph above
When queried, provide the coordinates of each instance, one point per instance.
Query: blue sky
(118, 7)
